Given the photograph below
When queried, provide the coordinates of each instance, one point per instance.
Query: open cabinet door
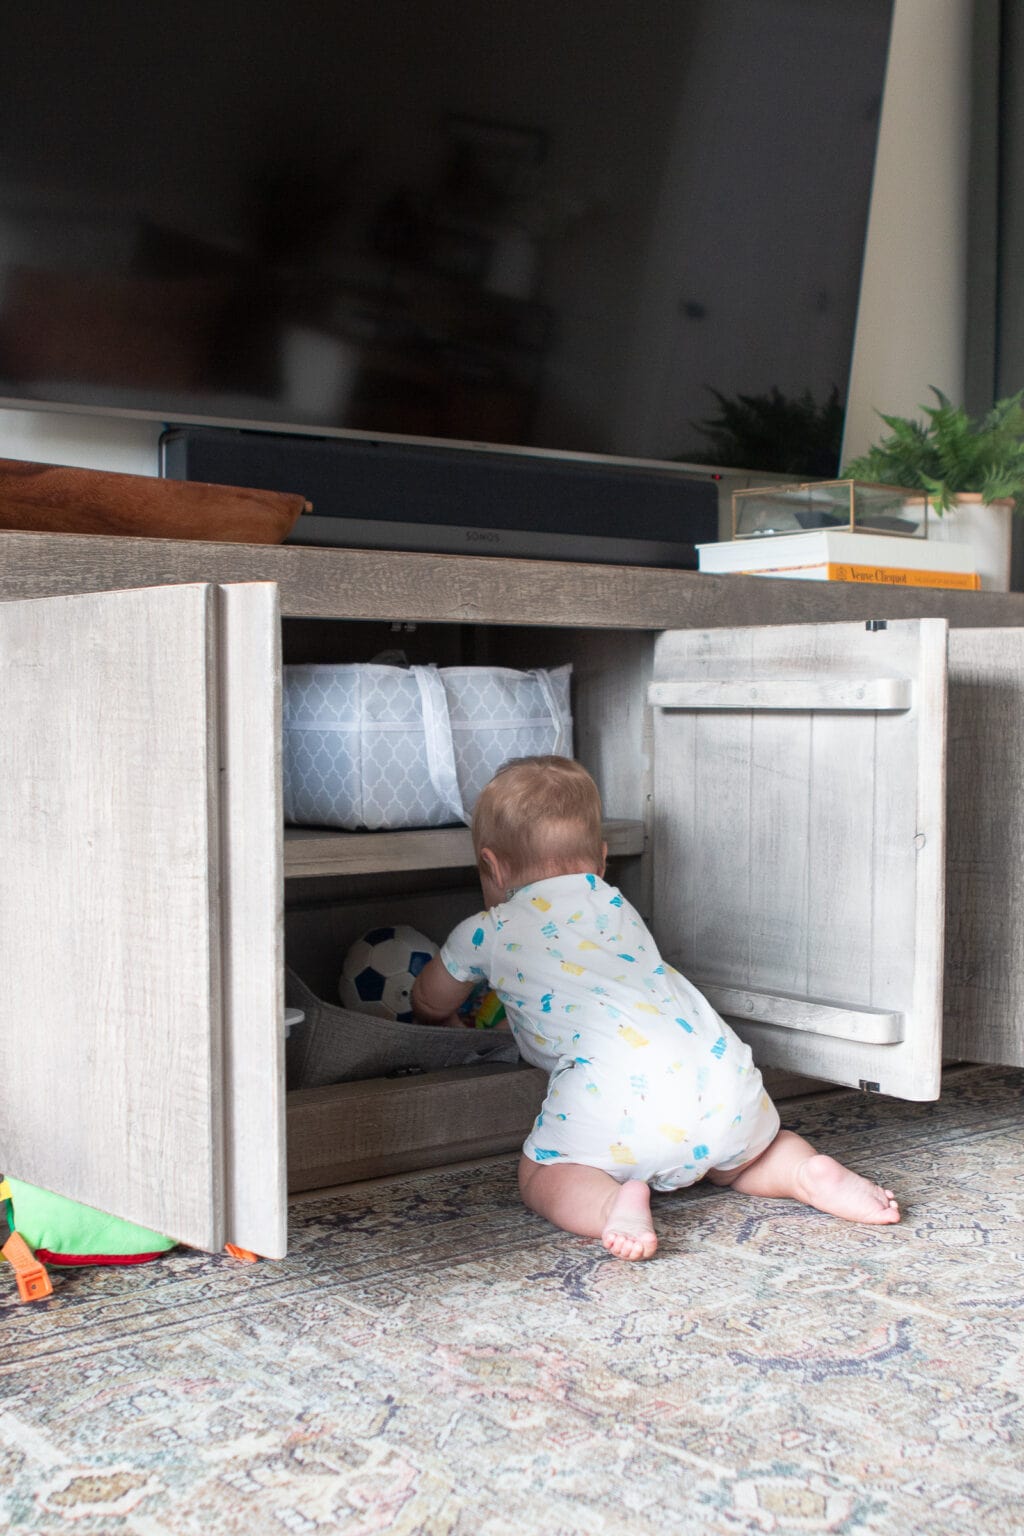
(140, 907)
(798, 841)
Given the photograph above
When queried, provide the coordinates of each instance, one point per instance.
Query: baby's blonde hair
(542, 816)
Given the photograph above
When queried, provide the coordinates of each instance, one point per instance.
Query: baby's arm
(437, 996)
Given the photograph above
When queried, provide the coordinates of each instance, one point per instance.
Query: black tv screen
(566, 224)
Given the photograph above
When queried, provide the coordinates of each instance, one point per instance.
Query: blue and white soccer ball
(380, 968)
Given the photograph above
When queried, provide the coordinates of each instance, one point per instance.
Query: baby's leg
(591, 1203)
(790, 1168)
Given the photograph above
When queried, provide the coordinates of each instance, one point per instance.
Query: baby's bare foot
(629, 1232)
(828, 1186)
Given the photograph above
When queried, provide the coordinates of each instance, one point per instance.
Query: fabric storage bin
(336, 1045)
(375, 747)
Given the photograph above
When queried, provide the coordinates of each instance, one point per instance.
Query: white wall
(911, 322)
(910, 326)
(90, 442)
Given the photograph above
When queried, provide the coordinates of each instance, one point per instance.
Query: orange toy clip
(33, 1281)
(245, 1254)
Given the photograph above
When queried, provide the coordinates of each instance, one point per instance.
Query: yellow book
(881, 575)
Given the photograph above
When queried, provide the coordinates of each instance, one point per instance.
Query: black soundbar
(386, 493)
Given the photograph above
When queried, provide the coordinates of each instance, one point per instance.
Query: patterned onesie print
(646, 1081)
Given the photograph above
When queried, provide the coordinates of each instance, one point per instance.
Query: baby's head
(538, 817)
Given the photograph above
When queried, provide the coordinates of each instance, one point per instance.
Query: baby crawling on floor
(648, 1087)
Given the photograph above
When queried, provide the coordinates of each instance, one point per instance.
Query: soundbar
(389, 493)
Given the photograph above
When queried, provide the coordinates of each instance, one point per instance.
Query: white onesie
(646, 1081)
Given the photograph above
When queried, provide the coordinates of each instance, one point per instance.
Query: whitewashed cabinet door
(141, 977)
(798, 835)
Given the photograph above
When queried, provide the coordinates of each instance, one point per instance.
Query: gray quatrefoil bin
(376, 747)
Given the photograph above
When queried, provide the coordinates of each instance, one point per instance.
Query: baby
(648, 1087)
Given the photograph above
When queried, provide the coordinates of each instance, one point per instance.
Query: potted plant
(971, 468)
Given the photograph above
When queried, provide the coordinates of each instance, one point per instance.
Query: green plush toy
(63, 1232)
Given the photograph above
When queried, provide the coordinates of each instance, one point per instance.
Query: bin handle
(563, 726)
(437, 727)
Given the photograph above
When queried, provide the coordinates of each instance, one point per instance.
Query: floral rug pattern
(433, 1360)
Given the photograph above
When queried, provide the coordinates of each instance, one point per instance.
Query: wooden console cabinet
(800, 812)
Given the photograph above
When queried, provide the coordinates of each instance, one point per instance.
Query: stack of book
(838, 554)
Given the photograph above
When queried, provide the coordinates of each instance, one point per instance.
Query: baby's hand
(436, 995)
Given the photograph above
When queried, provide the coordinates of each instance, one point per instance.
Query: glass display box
(852, 505)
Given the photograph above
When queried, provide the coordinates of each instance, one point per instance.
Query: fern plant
(951, 452)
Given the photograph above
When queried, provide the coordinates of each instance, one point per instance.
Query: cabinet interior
(610, 670)
(340, 884)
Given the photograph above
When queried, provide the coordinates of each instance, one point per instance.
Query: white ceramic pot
(987, 527)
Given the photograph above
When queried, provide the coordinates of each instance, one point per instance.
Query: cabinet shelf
(317, 851)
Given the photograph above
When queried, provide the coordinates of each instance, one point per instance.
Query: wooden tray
(53, 498)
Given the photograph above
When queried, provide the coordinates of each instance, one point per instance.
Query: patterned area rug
(432, 1360)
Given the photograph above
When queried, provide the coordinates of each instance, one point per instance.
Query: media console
(151, 651)
(387, 493)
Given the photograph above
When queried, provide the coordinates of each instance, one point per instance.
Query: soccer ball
(380, 968)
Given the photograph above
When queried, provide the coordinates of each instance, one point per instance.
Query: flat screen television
(581, 227)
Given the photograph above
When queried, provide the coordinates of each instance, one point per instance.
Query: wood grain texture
(771, 832)
(799, 693)
(375, 584)
(252, 917)
(385, 1126)
(984, 996)
(314, 851)
(110, 999)
(802, 1013)
(54, 498)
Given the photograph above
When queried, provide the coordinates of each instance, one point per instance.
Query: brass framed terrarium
(852, 505)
